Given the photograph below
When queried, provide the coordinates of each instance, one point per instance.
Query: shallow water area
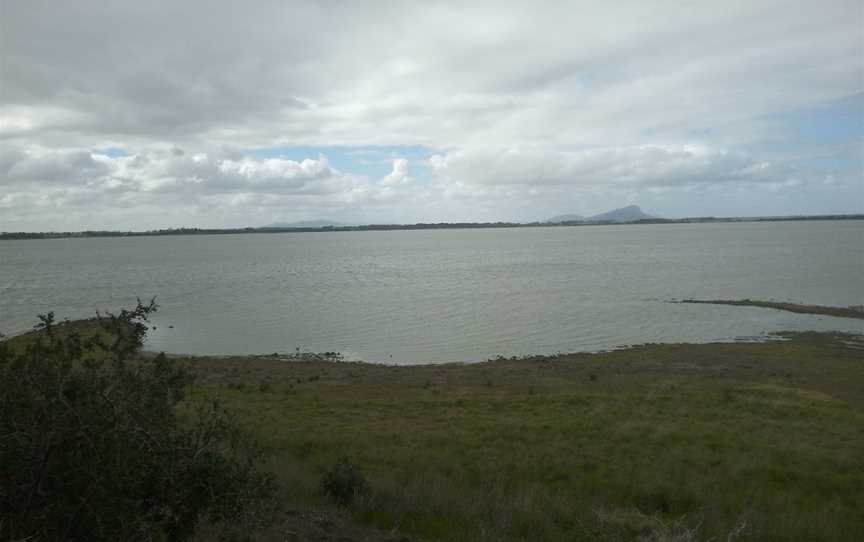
(446, 295)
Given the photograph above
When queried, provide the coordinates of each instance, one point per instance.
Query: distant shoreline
(418, 226)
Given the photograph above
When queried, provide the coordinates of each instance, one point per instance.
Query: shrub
(96, 444)
(343, 482)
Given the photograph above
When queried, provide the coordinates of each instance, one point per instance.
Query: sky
(145, 115)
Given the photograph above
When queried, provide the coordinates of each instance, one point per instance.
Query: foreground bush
(343, 482)
(98, 445)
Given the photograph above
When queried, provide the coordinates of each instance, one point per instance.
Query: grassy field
(739, 441)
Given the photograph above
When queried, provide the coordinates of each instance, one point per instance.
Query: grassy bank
(842, 312)
(754, 441)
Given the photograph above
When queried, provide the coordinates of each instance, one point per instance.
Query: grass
(738, 441)
(744, 441)
(842, 312)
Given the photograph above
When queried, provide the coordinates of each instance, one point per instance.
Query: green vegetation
(742, 441)
(95, 445)
(738, 441)
(343, 482)
(843, 312)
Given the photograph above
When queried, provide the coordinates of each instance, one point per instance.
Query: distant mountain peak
(566, 218)
(630, 213)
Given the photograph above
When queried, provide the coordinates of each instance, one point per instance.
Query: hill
(631, 213)
(566, 218)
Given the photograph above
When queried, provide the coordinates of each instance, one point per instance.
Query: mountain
(306, 224)
(631, 213)
(566, 218)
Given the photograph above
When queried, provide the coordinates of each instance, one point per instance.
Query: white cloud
(625, 99)
(174, 179)
(399, 175)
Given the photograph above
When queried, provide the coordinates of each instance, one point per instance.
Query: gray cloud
(52, 167)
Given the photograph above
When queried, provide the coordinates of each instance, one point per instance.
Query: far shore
(418, 226)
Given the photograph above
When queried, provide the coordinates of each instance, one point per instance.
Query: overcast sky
(141, 115)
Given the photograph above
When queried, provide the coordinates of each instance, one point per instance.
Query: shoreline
(337, 358)
(9, 236)
(854, 312)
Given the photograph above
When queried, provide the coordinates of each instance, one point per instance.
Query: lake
(445, 295)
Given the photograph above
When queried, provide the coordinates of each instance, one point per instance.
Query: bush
(343, 482)
(96, 444)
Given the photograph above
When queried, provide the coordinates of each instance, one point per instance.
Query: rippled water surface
(411, 296)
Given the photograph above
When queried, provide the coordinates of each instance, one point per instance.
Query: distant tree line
(418, 226)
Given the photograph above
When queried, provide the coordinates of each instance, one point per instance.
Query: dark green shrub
(98, 445)
(343, 482)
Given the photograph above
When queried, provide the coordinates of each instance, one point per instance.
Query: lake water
(447, 295)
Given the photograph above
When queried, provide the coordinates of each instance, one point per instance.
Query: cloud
(638, 166)
(175, 170)
(43, 166)
(623, 96)
(174, 179)
(399, 175)
(313, 73)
